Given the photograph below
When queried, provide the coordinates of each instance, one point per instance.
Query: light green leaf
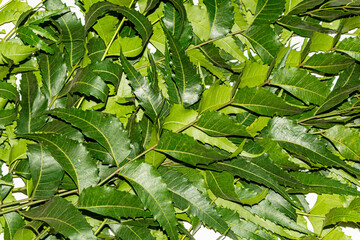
(199, 19)
(63, 217)
(14, 51)
(132, 232)
(105, 129)
(253, 74)
(214, 97)
(350, 46)
(350, 214)
(13, 222)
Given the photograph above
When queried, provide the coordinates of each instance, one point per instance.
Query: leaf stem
(116, 32)
(100, 227)
(43, 233)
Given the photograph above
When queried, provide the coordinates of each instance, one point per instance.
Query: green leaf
(253, 74)
(105, 129)
(13, 222)
(110, 202)
(305, 5)
(351, 47)
(220, 125)
(97, 10)
(186, 196)
(268, 11)
(53, 72)
(63, 217)
(149, 95)
(132, 232)
(252, 172)
(214, 97)
(187, 149)
(56, 126)
(301, 84)
(108, 71)
(153, 193)
(46, 172)
(199, 19)
(222, 185)
(345, 140)
(264, 41)
(264, 102)
(88, 82)
(72, 156)
(33, 105)
(296, 139)
(188, 82)
(301, 27)
(14, 51)
(8, 91)
(29, 37)
(316, 182)
(72, 33)
(350, 214)
(347, 84)
(220, 17)
(328, 62)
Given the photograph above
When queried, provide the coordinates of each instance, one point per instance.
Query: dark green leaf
(296, 139)
(72, 33)
(221, 17)
(264, 41)
(149, 95)
(187, 149)
(110, 202)
(46, 172)
(187, 81)
(132, 232)
(13, 222)
(108, 71)
(105, 129)
(328, 62)
(153, 192)
(315, 182)
(350, 46)
(222, 185)
(33, 105)
(264, 102)
(268, 11)
(185, 195)
(72, 156)
(301, 27)
(56, 126)
(305, 5)
(88, 82)
(29, 37)
(142, 24)
(301, 84)
(63, 217)
(53, 72)
(8, 91)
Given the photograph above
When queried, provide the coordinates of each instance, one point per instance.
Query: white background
(203, 233)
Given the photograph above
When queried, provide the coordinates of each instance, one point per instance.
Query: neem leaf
(264, 41)
(129, 232)
(345, 140)
(217, 124)
(110, 202)
(222, 185)
(63, 217)
(331, 63)
(305, 5)
(187, 80)
(220, 16)
(301, 84)
(187, 149)
(46, 172)
(97, 10)
(296, 139)
(72, 32)
(268, 11)
(153, 193)
(8, 91)
(33, 105)
(105, 129)
(264, 102)
(108, 71)
(13, 222)
(72, 156)
(53, 72)
(350, 46)
(14, 51)
(349, 214)
(149, 95)
(185, 195)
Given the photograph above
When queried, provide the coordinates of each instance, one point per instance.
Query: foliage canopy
(226, 123)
